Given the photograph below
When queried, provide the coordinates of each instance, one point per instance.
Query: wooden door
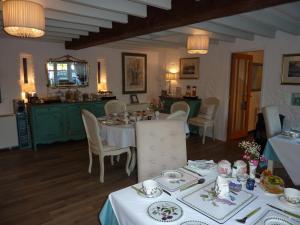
(239, 95)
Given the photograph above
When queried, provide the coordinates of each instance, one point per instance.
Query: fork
(243, 220)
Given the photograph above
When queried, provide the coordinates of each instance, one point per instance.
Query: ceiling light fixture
(197, 44)
(23, 18)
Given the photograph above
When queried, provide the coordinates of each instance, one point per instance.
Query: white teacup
(149, 187)
(292, 195)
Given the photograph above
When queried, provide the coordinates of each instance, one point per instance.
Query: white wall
(215, 75)
(10, 50)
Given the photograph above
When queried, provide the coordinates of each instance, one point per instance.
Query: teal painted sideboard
(193, 103)
(60, 122)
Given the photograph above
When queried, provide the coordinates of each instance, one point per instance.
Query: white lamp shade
(197, 44)
(170, 76)
(23, 18)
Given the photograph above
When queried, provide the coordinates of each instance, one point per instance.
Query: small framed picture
(189, 68)
(291, 69)
(134, 99)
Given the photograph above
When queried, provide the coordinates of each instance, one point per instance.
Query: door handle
(244, 105)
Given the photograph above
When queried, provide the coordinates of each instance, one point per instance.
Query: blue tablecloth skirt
(107, 215)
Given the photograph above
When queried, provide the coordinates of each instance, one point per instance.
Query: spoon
(200, 181)
(243, 220)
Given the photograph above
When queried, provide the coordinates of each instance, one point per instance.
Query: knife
(192, 171)
(285, 211)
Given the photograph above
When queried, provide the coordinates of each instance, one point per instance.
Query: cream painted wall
(41, 51)
(215, 75)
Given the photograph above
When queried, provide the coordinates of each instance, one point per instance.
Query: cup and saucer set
(291, 197)
(150, 189)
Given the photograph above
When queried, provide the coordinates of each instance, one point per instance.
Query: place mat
(204, 201)
(178, 183)
(202, 167)
(275, 217)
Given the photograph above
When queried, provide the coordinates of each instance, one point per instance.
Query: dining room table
(286, 150)
(129, 207)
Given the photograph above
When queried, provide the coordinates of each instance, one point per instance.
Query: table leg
(133, 159)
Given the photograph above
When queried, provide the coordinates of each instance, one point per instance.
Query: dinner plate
(156, 193)
(193, 222)
(165, 211)
(284, 201)
(172, 174)
(276, 221)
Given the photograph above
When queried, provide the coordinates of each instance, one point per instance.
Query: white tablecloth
(288, 152)
(131, 209)
(118, 135)
(121, 135)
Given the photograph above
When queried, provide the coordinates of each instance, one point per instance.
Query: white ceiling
(67, 19)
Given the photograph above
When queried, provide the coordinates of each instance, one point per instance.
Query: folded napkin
(202, 167)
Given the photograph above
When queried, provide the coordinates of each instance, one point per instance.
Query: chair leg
(127, 163)
(101, 161)
(91, 162)
(213, 132)
(204, 134)
(112, 160)
(118, 158)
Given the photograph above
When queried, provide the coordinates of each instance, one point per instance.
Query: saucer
(172, 174)
(284, 201)
(156, 193)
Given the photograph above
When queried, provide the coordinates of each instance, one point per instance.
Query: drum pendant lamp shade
(197, 44)
(23, 18)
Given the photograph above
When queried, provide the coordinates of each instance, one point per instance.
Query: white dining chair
(97, 147)
(182, 116)
(181, 106)
(273, 126)
(206, 117)
(114, 106)
(161, 145)
(272, 120)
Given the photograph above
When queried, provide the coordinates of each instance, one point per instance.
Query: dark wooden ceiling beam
(183, 12)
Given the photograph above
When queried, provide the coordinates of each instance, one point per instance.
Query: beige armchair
(161, 145)
(97, 147)
(206, 117)
(114, 106)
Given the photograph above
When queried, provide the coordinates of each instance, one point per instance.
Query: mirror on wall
(67, 71)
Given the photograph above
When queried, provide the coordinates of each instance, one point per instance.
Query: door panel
(240, 87)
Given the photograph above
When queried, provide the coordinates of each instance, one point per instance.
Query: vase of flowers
(252, 155)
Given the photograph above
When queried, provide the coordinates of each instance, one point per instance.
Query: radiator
(8, 131)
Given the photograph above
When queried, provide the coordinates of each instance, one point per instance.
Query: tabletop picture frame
(189, 68)
(290, 69)
(134, 73)
(134, 99)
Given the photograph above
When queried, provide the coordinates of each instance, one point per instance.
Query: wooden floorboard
(52, 186)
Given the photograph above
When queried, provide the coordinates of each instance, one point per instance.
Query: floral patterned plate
(172, 174)
(276, 221)
(164, 211)
(193, 222)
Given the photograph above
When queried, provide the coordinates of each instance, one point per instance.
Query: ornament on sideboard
(188, 91)
(194, 91)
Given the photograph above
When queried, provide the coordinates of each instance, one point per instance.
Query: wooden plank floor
(52, 186)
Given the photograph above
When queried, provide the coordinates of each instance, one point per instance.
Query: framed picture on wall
(290, 69)
(134, 73)
(189, 68)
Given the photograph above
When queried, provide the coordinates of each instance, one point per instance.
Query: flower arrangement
(155, 105)
(251, 151)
